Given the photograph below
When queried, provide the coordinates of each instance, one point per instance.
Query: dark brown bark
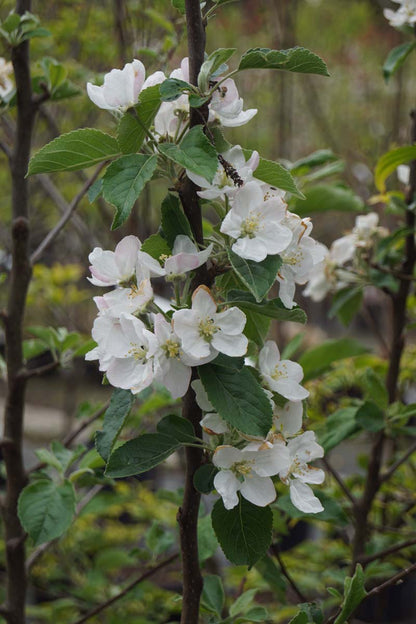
(19, 282)
(399, 302)
(188, 513)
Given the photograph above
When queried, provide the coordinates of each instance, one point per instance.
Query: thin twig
(61, 203)
(275, 550)
(388, 551)
(31, 560)
(65, 218)
(28, 373)
(6, 149)
(392, 581)
(129, 587)
(386, 475)
(339, 480)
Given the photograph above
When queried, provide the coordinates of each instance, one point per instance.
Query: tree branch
(388, 551)
(339, 480)
(129, 587)
(386, 475)
(275, 550)
(50, 237)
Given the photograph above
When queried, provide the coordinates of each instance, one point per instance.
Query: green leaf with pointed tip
(339, 426)
(204, 478)
(75, 150)
(238, 398)
(389, 162)
(131, 130)
(174, 221)
(46, 509)
(326, 197)
(172, 88)
(195, 153)
(212, 64)
(259, 277)
(244, 533)
(140, 455)
(316, 159)
(354, 594)
(276, 175)
(114, 419)
(177, 428)
(294, 60)
(156, 246)
(213, 596)
(123, 182)
(370, 417)
(396, 58)
(318, 359)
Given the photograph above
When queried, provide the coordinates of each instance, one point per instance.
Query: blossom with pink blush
(121, 88)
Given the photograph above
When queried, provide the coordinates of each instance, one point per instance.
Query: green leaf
(131, 129)
(354, 594)
(272, 308)
(396, 58)
(316, 159)
(255, 614)
(46, 509)
(243, 601)
(346, 304)
(204, 478)
(370, 417)
(159, 539)
(76, 150)
(156, 246)
(259, 277)
(177, 428)
(238, 398)
(389, 163)
(213, 596)
(276, 175)
(95, 190)
(272, 575)
(174, 221)
(244, 533)
(194, 153)
(213, 63)
(180, 5)
(375, 388)
(300, 618)
(140, 455)
(172, 88)
(294, 60)
(317, 360)
(326, 197)
(123, 182)
(313, 612)
(207, 540)
(114, 419)
(338, 426)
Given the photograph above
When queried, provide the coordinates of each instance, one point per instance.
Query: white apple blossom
(405, 14)
(185, 257)
(288, 419)
(121, 88)
(227, 107)
(134, 369)
(205, 333)
(299, 258)
(297, 474)
(256, 225)
(110, 268)
(222, 183)
(171, 116)
(248, 471)
(281, 376)
(132, 300)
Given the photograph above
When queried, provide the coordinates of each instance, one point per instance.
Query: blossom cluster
(138, 342)
(347, 258)
(405, 14)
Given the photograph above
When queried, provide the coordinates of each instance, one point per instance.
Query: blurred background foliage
(355, 114)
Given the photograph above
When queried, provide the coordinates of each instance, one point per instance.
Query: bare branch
(275, 550)
(61, 203)
(392, 581)
(339, 480)
(6, 149)
(129, 587)
(28, 373)
(388, 551)
(386, 475)
(50, 237)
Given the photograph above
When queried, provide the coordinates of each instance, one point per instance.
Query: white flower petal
(258, 490)
(227, 486)
(303, 497)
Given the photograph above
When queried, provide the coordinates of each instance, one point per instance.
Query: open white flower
(121, 88)
(302, 450)
(281, 376)
(288, 419)
(256, 224)
(185, 257)
(205, 333)
(227, 107)
(248, 471)
(110, 268)
(223, 184)
(134, 369)
(171, 116)
(6, 70)
(405, 14)
(132, 300)
(172, 367)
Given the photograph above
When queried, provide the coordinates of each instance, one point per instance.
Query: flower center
(242, 469)
(207, 328)
(137, 291)
(137, 352)
(280, 372)
(171, 348)
(251, 225)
